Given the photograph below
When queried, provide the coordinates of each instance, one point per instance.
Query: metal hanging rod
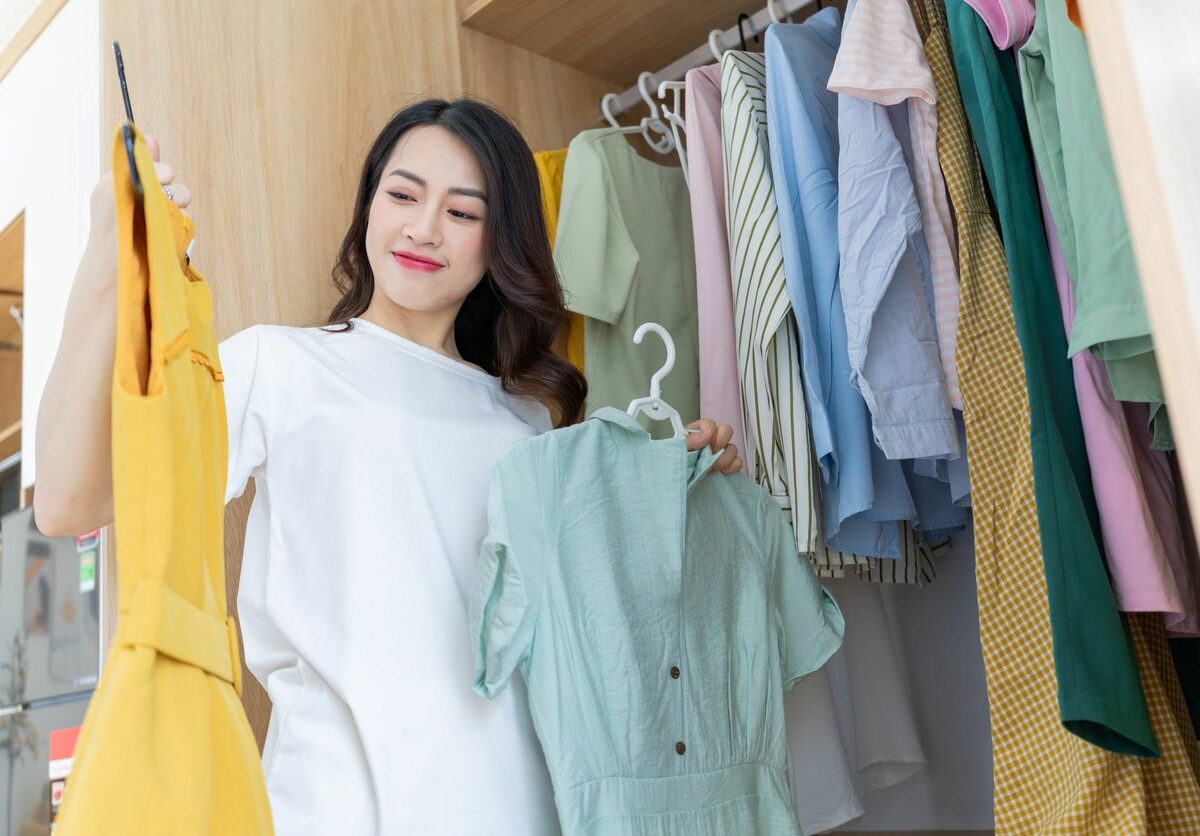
(703, 54)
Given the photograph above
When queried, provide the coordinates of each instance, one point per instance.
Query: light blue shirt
(893, 350)
(864, 494)
(658, 617)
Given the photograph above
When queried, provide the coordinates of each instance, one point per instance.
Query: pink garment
(1008, 21)
(720, 383)
(1134, 487)
(882, 59)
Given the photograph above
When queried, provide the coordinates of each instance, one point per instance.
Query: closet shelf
(613, 40)
(10, 439)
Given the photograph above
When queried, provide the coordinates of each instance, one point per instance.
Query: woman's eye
(401, 196)
(463, 215)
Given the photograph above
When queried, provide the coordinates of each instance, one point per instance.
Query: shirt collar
(699, 462)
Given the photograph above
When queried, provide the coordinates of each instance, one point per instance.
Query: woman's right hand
(74, 430)
(102, 237)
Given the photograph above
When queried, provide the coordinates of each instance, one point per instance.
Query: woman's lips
(412, 261)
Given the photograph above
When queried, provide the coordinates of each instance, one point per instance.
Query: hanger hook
(645, 79)
(606, 102)
(656, 379)
(745, 18)
(714, 43)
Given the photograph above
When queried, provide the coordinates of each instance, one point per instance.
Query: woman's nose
(426, 227)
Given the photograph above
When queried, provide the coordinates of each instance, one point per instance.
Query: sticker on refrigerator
(87, 571)
(62, 752)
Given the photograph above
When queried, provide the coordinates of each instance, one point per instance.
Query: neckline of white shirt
(427, 354)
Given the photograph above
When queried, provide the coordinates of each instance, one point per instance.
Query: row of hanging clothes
(895, 260)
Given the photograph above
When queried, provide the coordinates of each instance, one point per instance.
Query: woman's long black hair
(508, 323)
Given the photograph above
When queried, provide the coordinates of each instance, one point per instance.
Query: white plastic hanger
(666, 144)
(714, 44)
(655, 406)
(644, 127)
(676, 121)
(775, 15)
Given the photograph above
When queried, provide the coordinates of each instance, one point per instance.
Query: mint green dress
(1066, 131)
(658, 617)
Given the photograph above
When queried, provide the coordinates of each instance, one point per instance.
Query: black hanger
(743, 17)
(127, 128)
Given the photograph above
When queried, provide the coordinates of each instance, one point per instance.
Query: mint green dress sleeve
(808, 622)
(509, 577)
(595, 256)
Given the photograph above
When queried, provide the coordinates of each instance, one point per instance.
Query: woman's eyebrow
(420, 181)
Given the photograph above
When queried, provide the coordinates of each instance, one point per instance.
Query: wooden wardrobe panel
(550, 102)
(1144, 59)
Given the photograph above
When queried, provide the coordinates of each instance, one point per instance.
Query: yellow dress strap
(159, 618)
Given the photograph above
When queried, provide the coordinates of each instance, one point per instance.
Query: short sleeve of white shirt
(244, 362)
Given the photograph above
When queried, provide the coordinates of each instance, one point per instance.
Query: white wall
(49, 163)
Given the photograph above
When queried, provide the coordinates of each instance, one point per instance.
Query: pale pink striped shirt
(1008, 21)
(882, 60)
(720, 383)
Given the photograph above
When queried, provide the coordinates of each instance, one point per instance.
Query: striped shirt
(776, 421)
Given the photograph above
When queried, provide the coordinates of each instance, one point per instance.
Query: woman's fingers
(179, 194)
(729, 460)
(706, 428)
(165, 173)
(724, 433)
(152, 146)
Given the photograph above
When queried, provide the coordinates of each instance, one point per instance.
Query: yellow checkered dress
(1047, 780)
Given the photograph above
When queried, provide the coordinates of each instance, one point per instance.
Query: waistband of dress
(620, 796)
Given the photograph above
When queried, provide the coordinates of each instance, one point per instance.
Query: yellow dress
(165, 746)
(550, 165)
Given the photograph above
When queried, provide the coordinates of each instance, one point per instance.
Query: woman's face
(425, 229)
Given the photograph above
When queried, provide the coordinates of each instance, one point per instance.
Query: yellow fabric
(165, 746)
(1047, 780)
(550, 166)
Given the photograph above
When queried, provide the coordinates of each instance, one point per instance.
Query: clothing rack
(703, 54)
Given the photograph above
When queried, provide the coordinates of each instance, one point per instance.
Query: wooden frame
(1143, 57)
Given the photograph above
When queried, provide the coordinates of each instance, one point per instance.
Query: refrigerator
(49, 664)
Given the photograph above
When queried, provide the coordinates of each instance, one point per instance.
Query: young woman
(371, 441)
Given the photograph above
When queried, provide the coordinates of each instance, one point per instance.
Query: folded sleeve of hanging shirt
(508, 580)
(809, 622)
(595, 256)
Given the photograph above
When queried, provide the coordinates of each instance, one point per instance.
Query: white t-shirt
(372, 457)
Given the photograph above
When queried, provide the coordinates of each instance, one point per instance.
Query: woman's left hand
(716, 436)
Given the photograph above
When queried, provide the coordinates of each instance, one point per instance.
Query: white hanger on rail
(666, 144)
(655, 406)
(775, 18)
(645, 127)
(671, 114)
(714, 44)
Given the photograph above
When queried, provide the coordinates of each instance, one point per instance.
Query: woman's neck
(432, 330)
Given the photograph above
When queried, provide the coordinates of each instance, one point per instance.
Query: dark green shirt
(1100, 695)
